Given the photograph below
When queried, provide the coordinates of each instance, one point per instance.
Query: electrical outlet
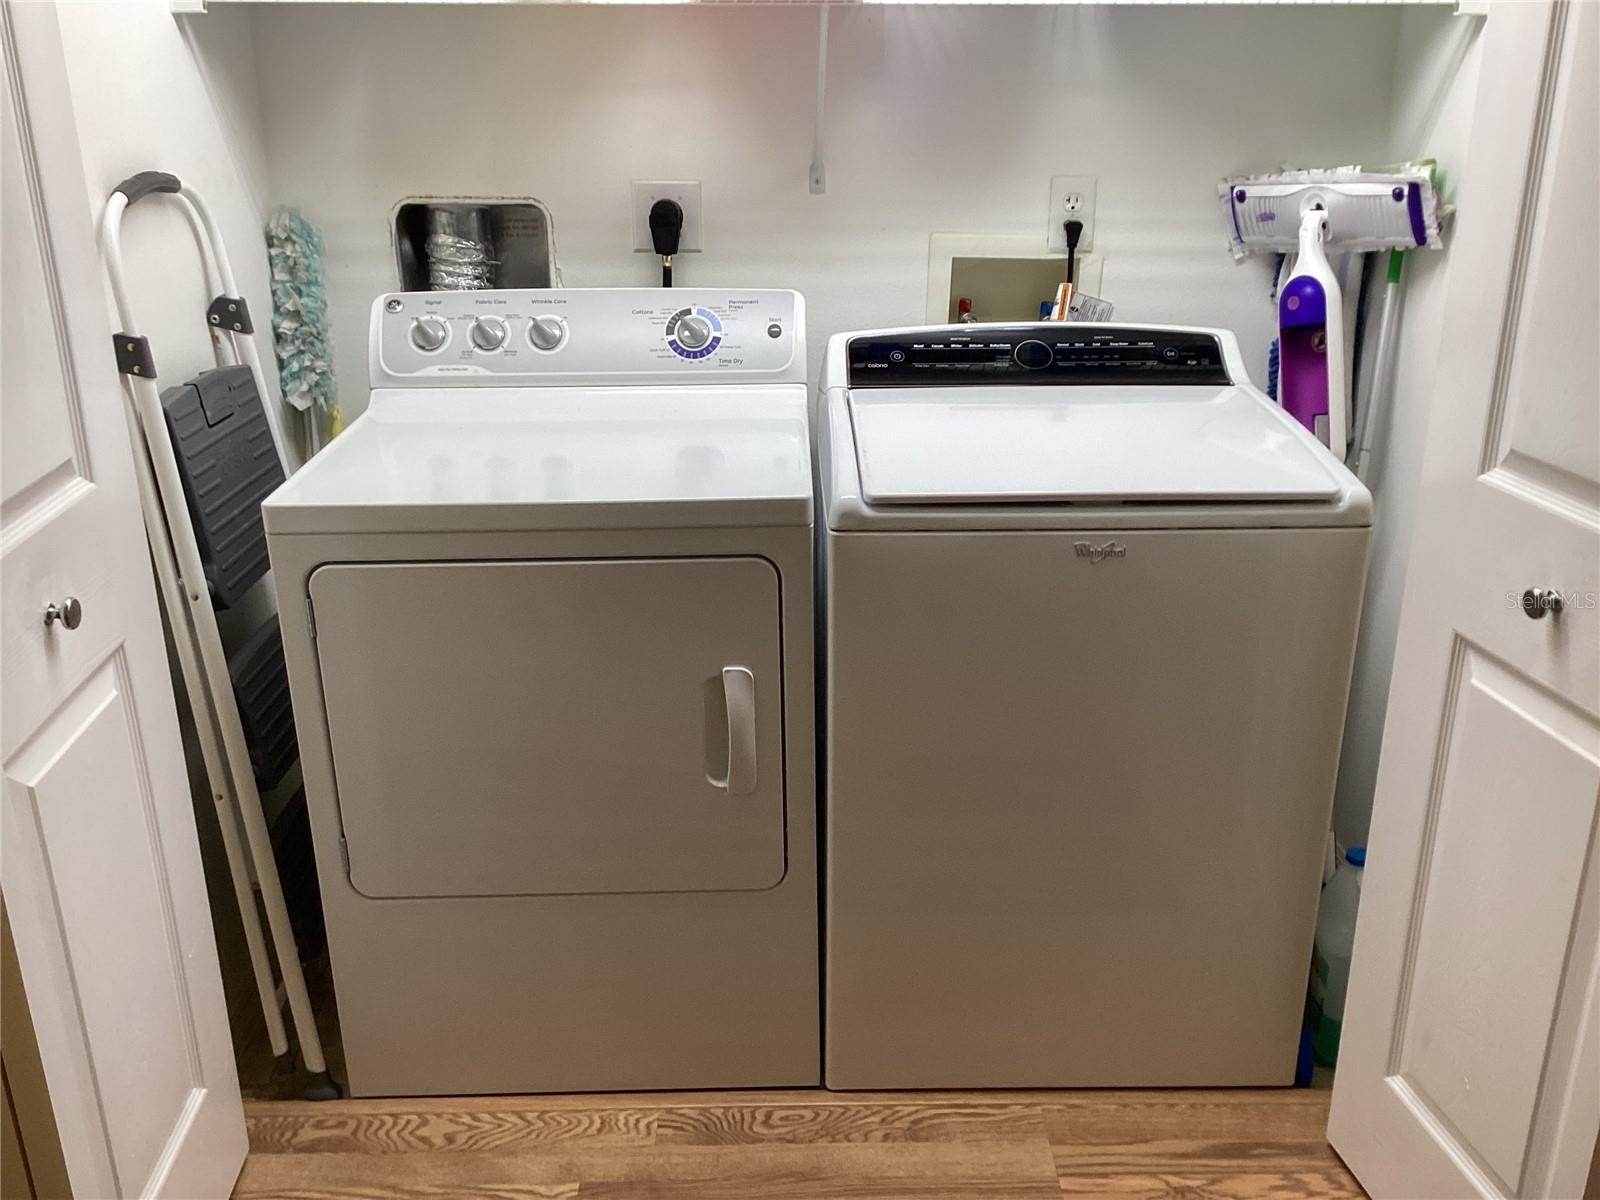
(1071, 199)
(686, 192)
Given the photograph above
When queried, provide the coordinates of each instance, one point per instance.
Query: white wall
(145, 101)
(938, 119)
(1435, 86)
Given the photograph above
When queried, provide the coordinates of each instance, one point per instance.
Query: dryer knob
(429, 333)
(488, 333)
(693, 332)
(547, 333)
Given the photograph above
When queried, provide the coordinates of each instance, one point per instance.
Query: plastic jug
(1330, 960)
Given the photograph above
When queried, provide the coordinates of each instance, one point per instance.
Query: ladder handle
(137, 187)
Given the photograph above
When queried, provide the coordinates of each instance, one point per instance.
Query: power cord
(1074, 231)
(666, 228)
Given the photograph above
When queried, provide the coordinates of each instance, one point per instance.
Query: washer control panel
(1053, 353)
(593, 336)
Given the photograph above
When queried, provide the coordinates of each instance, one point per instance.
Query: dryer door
(523, 728)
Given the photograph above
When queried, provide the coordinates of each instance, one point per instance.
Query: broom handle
(1383, 367)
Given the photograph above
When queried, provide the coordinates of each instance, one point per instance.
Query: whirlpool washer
(1091, 600)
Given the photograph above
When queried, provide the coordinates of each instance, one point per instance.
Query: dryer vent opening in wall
(454, 243)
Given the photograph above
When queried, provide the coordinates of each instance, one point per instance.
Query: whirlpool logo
(1099, 554)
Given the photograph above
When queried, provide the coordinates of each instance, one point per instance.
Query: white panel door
(98, 857)
(1470, 1063)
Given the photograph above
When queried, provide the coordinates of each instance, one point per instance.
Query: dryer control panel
(597, 337)
(1049, 352)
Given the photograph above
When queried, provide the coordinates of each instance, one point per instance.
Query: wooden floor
(806, 1145)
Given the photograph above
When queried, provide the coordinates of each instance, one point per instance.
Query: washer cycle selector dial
(488, 333)
(1034, 355)
(429, 333)
(694, 332)
(547, 333)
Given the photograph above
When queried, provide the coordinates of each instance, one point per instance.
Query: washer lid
(1084, 445)
(558, 458)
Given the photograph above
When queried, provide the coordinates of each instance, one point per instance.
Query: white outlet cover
(1061, 188)
(686, 192)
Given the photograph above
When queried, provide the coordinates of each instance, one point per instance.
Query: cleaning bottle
(1330, 960)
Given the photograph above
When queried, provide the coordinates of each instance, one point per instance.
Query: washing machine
(1090, 601)
(547, 609)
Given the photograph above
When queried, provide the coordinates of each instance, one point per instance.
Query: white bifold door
(98, 858)
(1470, 1063)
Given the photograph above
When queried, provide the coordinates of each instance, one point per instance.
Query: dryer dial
(488, 333)
(694, 332)
(429, 333)
(547, 333)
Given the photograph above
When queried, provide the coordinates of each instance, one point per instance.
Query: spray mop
(1308, 213)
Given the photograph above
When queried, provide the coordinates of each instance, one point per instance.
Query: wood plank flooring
(799, 1145)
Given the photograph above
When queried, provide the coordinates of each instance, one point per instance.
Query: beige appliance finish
(553, 675)
(1079, 758)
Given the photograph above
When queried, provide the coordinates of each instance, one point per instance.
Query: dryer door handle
(739, 696)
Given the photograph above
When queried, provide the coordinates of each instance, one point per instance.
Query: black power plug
(1074, 232)
(666, 229)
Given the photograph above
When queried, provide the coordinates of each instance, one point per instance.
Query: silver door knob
(1538, 601)
(69, 612)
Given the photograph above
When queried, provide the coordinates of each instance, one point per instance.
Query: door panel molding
(1565, 488)
(1527, 214)
(19, 519)
(106, 696)
(1488, 691)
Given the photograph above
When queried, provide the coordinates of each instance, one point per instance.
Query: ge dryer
(547, 610)
(1090, 605)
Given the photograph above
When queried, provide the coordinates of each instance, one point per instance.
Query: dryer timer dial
(693, 332)
(488, 333)
(547, 333)
(429, 333)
